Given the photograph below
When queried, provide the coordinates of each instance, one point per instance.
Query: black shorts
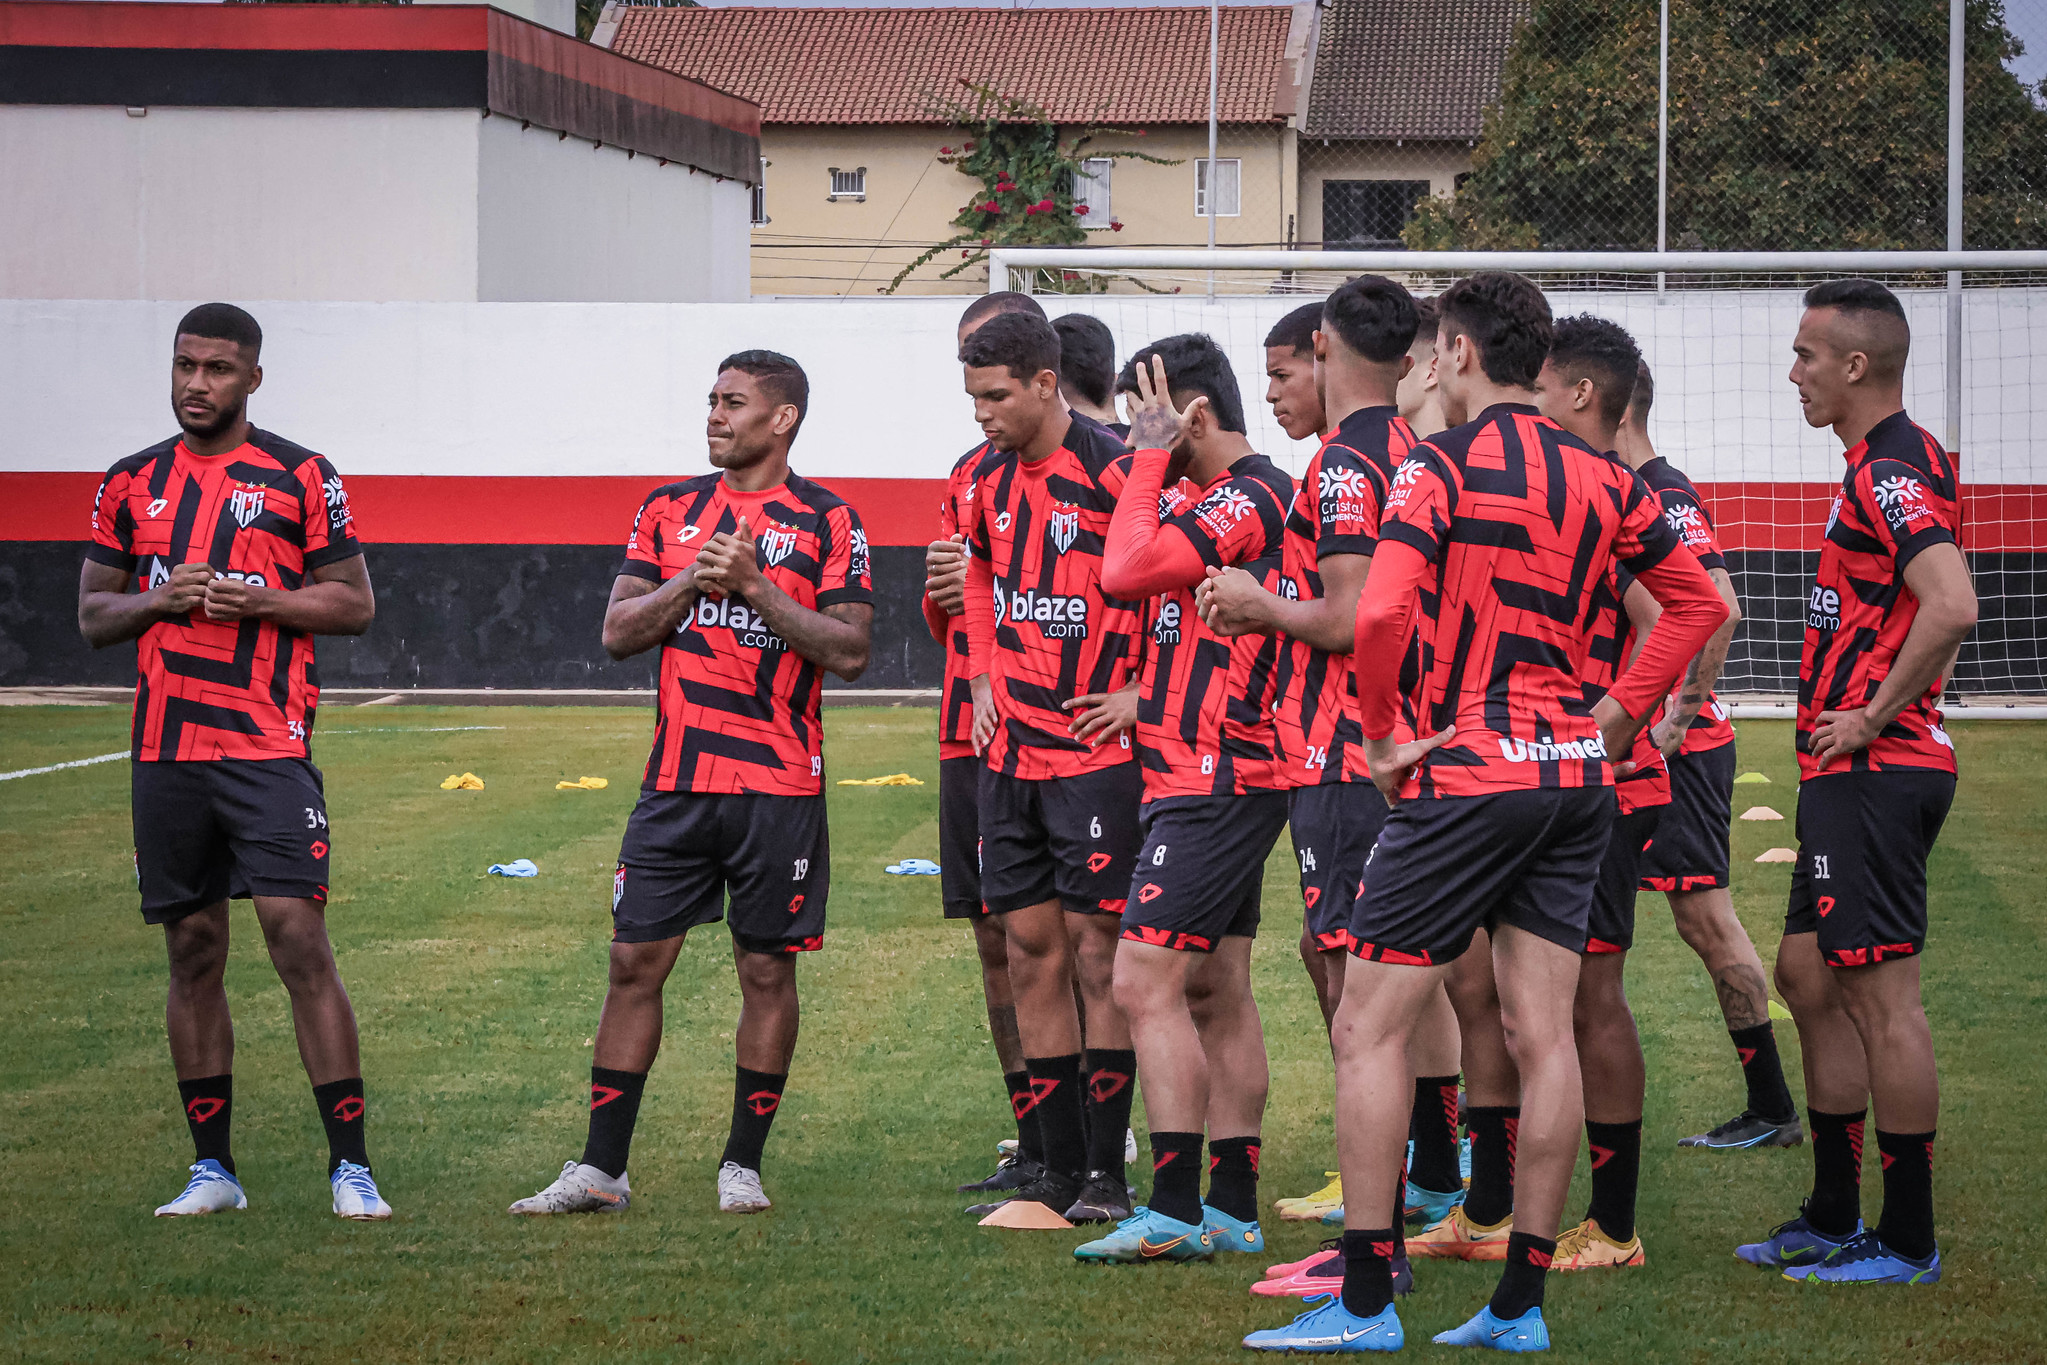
(1860, 881)
(1069, 838)
(228, 829)
(1690, 852)
(1201, 870)
(1334, 827)
(1611, 926)
(959, 837)
(684, 851)
(1447, 867)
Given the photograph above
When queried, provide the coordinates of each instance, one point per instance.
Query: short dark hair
(781, 378)
(1855, 296)
(1875, 318)
(1428, 314)
(1644, 396)
(1506, 317)
(223, 322)
(1194, 363)
(1022, 343)
(1296, 331)
(1374, 316)
(1002, 301)
(1586, 347)
(1087, 356)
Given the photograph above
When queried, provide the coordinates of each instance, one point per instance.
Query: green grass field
(478, 996)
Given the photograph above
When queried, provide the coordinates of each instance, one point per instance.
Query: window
(1229, 179)
(760, 195)
(1365, 214)
(849, 184)
(1091, 191)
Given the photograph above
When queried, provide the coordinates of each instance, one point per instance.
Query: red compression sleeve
(980, 616)
(1692, 611)
(1384, 609)
(936, 618)
(1139, 561)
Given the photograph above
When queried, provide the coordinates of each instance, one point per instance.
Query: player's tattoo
(1008, 1041)
(1744, 999)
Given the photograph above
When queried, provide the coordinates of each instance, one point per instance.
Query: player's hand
(1840, 734)
(1617, 731)
(1391, 764)
(1231, 602)
(185, 590)
(1154, 422)
(230, 599)
(945, 574)
(727, 565)
(1102, 715)
(984, 713)
(1667, 737)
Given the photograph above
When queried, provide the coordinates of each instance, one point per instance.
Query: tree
(1795, 125)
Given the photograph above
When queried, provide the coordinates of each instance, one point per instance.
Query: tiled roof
(1408, 68)
(1111, 65)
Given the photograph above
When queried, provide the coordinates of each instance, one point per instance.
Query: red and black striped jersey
(1204, 705)
(1039, 624)
(1521, 523)
(1686, 512)
(268, 512)
(1612, 643)
(1897, 498)
(956, 702)
(1335, 512)
(739, 708)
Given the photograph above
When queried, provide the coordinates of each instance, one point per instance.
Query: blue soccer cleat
(1148, 1235)
(1425, 1208)
(1793, 1245)
(210, 1190)
(1231, 1234)
(1490, 1332)
(1863, 1259)
(1328, 1328)
(1334, 1218)
(355, 1194)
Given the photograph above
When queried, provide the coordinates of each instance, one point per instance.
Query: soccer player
(1197, 495)
(753, 582)
(222, 552)
(1504, 524)
(1087, 368)
(1293, 387)
(1890, 606)
(1688, 859)
(1419, 397)
(1051, 657)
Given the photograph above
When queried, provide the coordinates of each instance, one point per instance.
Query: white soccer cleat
(579, 1189)
(211, 1190)
(355, 1194)
(739, 1190)
(1129, 1146)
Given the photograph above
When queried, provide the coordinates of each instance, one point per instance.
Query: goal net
(1719, 345)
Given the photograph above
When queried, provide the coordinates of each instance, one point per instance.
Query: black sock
(1111, 1085)
(1493, 1130)
(1368, 1271)
(1907, 1223)
(1029, 1147)
(1520, 1286)
(341, 1113)
(756, 1095)
(1056, 1101)
(1434, 1130)
(1835, 1204)
(1616, 1174)
(614, 1109)
(1176, 1175)
(209, 1105)
(1768, 1096)
(1233, 1177)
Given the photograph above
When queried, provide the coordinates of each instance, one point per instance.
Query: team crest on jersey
(776, 545)
(1063, 528)
(247, 505)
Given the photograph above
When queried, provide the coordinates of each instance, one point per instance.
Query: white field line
(59, 767)
(380, 730)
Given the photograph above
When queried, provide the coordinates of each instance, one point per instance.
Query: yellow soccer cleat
(1309, 1208)
(1457, 1238)
(1587, 1247)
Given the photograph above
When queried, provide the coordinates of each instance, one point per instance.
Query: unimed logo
(1548, 751)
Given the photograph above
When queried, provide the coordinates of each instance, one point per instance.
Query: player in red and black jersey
(222, 552)
(1052, 661)
(1087, 369)
(754, 583)
(1890, 606)
(1499, 528)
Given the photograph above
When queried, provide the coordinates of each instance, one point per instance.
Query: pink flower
(1045, 206)
(1115, 226)
(1080, 210)
(945, 151)
(989, 207)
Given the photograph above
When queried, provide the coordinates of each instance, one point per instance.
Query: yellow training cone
(1024, 1213)
(892, 780)
(1760, 813)
(1777, 855)
(1777, 1011)
(468, 782)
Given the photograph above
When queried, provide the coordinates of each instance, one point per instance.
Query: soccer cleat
(1103, 1199)
(210, 1190)
(1403, 1275)
(1056, 1192)
(1148, 1235)
(1321, 1273)
(1424, 1207)
(1231, 1234)
(1284, 1267)
(1457, 1238)
(1525, 1333)
(1006, 1147)
(739, 1190)
(1793, 1244)
(1588, 1247)
(1306, 1208)
(1333, 1218)
(1746, 1131)
(1011, 1173)
(579, 1189)
(1863, 1259)
(1328, 1328)
(355, 1194)
(1129, 1146)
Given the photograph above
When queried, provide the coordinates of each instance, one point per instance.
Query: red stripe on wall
(302, 28)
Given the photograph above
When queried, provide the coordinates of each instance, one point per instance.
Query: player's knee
(767, 976)
(991, 945)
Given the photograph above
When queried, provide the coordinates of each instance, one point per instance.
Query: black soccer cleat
(1403, 1275)
(1011, 1173)
(1056, 1192)
(1103, 1199)
(1746, 1131)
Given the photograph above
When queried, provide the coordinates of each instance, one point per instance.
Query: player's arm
(1704, 673)
(837, 638)
(1233, 602)
(108, 613)
(336, 600)
(643, 613)
(1692, 611)
(1939, 577)
(945, 583)
(1139, 558)
(1382, 621)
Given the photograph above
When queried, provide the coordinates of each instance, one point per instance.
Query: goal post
(1716, 329)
